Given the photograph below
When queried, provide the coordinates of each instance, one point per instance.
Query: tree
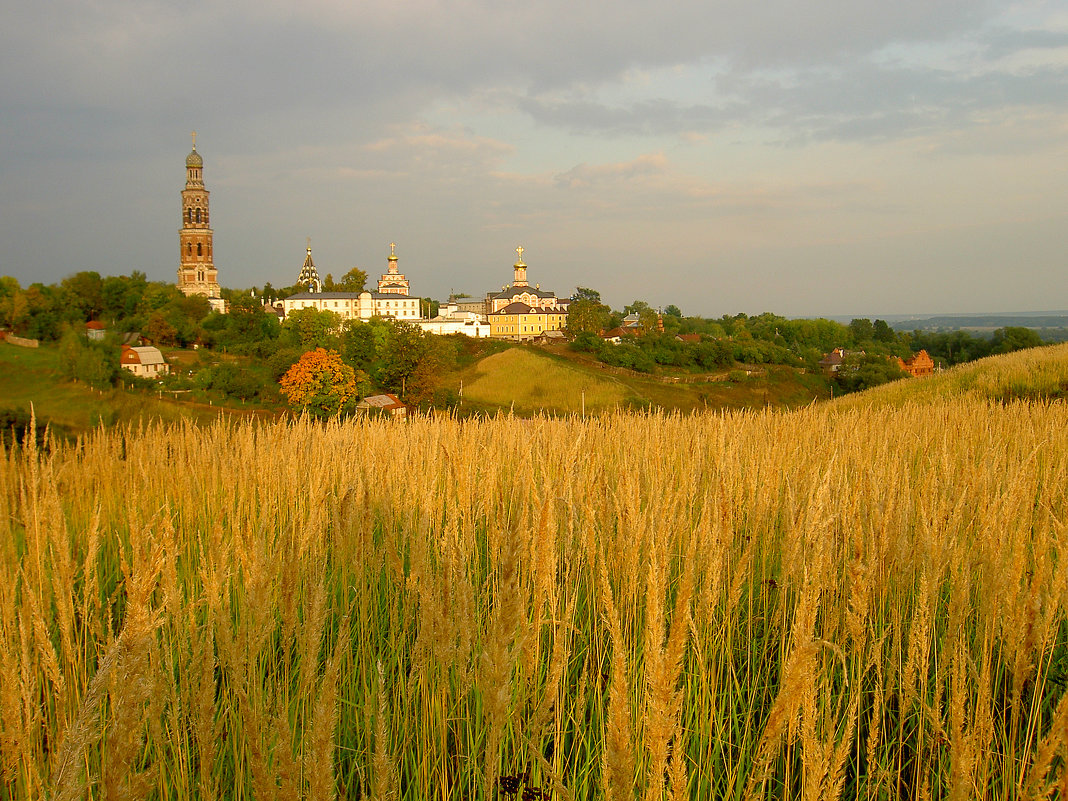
(313, 327)
(405, 347)
(428, 308)
(882, 332)
(673, 310)
(587, 316)
(1010, 338)
(353, 281)
(159, 330)
(248, 322)
(862, 330)
(863, 372)
(584, 293)
(320, 383)
(87, 293)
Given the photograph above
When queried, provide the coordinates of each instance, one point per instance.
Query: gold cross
(194, 140)
(391, 246)
(309, 244)
(519, 250)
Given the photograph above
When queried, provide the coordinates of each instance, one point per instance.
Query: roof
(513, 290)
(142, 355)
(522, 308)
(691, 338)
(385, 401)
(308, 273)
(95, 325)
(347, 295)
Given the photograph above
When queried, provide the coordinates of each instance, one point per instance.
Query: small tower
(520, 269)
(309, 276)
(393, 281)
(196, 271)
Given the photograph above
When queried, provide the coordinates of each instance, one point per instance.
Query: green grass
(530, 382)
(31, 378)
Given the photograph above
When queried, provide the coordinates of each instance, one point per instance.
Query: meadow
(844, 601)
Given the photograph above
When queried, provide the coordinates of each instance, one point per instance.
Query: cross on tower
(194, 140)
(519, 250)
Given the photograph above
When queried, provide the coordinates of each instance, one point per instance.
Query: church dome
(194, 159)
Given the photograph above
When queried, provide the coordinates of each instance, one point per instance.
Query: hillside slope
(1034, 374)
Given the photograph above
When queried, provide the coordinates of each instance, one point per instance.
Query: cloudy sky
(806, 157)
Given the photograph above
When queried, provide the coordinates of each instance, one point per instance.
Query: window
(200, 249)
(198, 215)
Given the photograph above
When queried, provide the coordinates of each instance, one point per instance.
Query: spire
(193, 163)
(392, 258)
(309, 276)
(520, 269)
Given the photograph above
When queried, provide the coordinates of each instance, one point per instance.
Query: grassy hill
(1035, 374)
(31, 377)
(528, 380)
(519, 379)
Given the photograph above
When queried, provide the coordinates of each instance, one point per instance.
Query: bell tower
(196, 272)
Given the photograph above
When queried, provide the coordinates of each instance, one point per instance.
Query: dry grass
(861, 602)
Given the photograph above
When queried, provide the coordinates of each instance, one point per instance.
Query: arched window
(198, 215)
(200, 249)
(189, 249)
(189, 216)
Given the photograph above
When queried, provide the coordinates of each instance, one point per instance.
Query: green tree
(584, 293)
(313, 328)
(428, 308)
(247, 321)
(673, 310)
(86, 292)
(586, 316)
(882, 332)
(355, 280)
(864, 372)
(1010, 338)
(862, 330)
(406, 346)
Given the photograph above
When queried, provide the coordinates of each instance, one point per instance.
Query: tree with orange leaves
(320, 383)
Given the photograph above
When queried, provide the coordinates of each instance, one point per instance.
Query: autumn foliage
(320, 382)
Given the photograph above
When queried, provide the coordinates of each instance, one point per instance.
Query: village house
(918, 365)
(145, 362)
(387, 403)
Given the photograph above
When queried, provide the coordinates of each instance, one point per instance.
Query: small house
(146, 362)
(389, 404)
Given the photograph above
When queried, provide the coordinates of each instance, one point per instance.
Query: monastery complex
(518, 312)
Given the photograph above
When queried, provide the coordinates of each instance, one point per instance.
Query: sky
(804, 157)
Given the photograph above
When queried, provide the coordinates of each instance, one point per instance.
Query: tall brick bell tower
(196, 274)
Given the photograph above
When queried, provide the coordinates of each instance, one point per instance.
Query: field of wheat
(834, 602)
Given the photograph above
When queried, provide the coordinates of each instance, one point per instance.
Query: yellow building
(521, 291)
(522, 322)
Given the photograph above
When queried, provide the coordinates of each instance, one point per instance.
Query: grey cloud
(849, 101)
